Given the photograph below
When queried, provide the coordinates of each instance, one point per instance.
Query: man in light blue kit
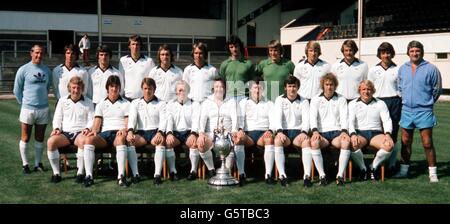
(420, 85)
(31, 87)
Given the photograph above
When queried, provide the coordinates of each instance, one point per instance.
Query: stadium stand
(382, 18)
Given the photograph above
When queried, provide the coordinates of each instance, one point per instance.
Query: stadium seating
(382, 18)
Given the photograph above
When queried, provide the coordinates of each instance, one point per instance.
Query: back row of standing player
(132, 68)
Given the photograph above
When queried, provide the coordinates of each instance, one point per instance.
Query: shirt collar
(98, 67)
(334, 95)
(139, 58)
(153, 99)
(391, 65)
(280, 62)
(241, 59)
(422, 62)
(307, 62)
(182, 103)
(75, 65)
(263, 99)
(372, 100)
(118, 99)
(171, 66)
(204, 65)
(355, 60)
(296, 98)
(81, 98)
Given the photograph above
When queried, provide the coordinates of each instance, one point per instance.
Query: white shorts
(38, 116)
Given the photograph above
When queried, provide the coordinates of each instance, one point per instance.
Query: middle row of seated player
(291, 121)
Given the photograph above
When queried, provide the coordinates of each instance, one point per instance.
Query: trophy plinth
(222, 147)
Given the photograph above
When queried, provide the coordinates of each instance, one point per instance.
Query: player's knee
(89, 141)
(239, 142)
(192, 146)
(157, 142)
(277, 141)
(406, 140)
(169, 145)
(202, 149)
(268, 141)
(50, 143)
(345, 144)
(305, 143)
(427, 145)
(315, 144)
(388, 147)
(39, 138)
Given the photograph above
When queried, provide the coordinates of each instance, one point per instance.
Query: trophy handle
(231, 140)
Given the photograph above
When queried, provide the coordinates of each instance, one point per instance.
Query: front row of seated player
(254, 123)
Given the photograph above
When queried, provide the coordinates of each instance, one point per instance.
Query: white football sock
(307, 162)
(358, 158)
(194, 156)
(432, 170)
(80, 161)
(380, 157)
(23, 152)
(393, 157)
(121, 156)
(269, 159)
(239, 151)
(89, 159)
(404, 169)
(159, 159)
(318, 161)
(38, 148)
(170, 156)
(53, 158)
(229, 160)
(132, 160)
(344, 156)
(207, 159)
(280, 160)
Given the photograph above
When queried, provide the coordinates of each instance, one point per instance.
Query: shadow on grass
(418, 168)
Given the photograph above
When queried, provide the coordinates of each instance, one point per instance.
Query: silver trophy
(222, 147)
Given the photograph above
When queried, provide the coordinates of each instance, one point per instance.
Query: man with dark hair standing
(420, 85)
(134, 67)
(236, 70)
(350, 71)
(99, 74)
(109, 129)
(384, 76)
(65, 71)
(199, 75)
(31, 87)
(275, 69)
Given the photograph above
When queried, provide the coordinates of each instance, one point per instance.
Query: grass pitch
(36, 188)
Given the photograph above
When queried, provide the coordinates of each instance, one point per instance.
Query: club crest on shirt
(285, 106)
(39, 77)
(67, 106)
(141, 106)
(304, 70)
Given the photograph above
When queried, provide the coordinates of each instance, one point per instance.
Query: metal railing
(28, 43)
(10, 61)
